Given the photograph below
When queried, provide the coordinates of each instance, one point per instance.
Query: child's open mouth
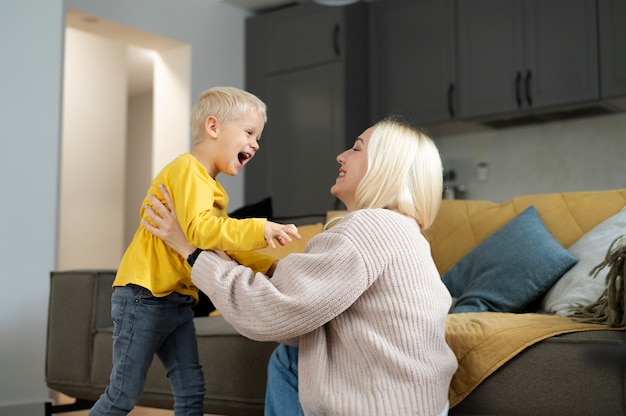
(242, 156)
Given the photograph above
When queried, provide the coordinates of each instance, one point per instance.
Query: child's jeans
(144, 325)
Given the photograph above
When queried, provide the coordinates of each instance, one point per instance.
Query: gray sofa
(563, 372)
(78, 357)
(574, 374)
(569, 372)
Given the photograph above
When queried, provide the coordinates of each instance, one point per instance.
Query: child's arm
(167, 227)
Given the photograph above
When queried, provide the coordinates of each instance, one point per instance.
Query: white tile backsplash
(566, 156)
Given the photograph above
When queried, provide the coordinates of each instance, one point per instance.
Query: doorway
(126, 96)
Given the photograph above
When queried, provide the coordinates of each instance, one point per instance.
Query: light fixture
(335, 2)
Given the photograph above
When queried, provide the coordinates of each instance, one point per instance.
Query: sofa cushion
(577, 287)
(463, 224)
(509, 269)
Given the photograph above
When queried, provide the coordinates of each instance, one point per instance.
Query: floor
(137, 411)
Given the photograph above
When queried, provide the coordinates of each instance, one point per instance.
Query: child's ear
(211, 126)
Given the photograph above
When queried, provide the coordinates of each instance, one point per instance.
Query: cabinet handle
(529, 97)
(451, 100)
(336, 40)
(518, 89)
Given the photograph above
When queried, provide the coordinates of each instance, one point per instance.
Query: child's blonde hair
(224, 103)
(404, 172)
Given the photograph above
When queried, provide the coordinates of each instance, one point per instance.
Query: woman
(365, 303)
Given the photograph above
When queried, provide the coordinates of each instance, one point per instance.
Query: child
(151, 305)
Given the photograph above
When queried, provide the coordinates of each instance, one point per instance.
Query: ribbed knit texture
(367, 306)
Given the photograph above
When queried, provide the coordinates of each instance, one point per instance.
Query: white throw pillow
(576, 286)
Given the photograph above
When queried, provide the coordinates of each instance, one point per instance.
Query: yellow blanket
(484, 341)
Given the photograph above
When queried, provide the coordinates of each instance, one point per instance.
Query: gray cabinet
(412, 59)
(309, 64)
(612, 23)
(517, 55)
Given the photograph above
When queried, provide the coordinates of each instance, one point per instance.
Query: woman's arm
(166, 225)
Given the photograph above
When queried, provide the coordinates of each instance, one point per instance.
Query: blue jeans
(144, 325)
(281, 395)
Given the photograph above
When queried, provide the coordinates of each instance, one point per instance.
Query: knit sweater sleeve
(306, 291)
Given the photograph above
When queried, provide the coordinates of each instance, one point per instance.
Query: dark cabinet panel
(517, 55)
(412, 59)
(303, 139)
(490, 55)
(309, 64)
(307, 37)
(612, 22)
(561, 52)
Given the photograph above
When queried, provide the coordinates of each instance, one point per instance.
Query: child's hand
(280, 232)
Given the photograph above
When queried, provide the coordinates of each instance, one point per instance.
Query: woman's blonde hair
(224, 103)
(404, 172)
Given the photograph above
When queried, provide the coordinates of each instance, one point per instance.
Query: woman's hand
(166, 225)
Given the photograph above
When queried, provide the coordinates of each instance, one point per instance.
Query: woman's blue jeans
(144, 325)
(281, 395)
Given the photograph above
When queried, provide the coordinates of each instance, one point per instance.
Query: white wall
(138, 160)
(31, 40)
(575, 155)
(93, 169)
(215, 32)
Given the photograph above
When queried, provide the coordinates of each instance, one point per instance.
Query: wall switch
(482, 172)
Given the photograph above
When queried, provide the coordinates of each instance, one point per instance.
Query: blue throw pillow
(511, 268)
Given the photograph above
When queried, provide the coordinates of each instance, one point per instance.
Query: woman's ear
(211, 126)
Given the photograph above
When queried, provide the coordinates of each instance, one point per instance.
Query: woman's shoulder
(377, 220)
(369, 214)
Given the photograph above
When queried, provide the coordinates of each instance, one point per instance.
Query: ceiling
(256, 5)
(259, 5)
(140, 58)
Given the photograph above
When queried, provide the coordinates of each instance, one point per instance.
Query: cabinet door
(612, 19)
(561, 60)
(490, 54)
(412, 58)
(316, 101)
(301, 139)
(302, 36)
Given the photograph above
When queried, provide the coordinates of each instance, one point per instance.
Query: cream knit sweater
(365, 304)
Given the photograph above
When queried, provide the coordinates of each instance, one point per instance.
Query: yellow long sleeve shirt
(201, 204)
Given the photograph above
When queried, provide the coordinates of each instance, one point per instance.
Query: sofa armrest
(79, 303)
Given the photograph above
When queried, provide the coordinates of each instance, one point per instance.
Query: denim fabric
(144, 325)
(281, 396)
(445, 410)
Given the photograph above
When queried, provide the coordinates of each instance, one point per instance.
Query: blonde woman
(362, 312)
